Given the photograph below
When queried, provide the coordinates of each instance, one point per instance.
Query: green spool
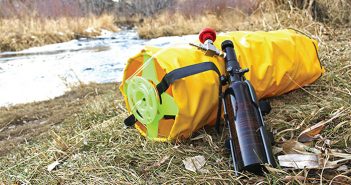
(144, 100)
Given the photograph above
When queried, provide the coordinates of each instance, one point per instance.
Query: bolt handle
(207, 34)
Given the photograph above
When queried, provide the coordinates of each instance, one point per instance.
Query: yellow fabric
(279, 61)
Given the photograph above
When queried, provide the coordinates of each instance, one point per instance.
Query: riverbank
(80, 137)
(83, 136)
(20, 33)
(48, 71)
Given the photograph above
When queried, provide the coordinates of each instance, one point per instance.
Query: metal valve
(207, 36)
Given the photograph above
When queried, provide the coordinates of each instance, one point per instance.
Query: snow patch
(42, 73)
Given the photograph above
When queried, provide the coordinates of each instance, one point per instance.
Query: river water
(42, 73)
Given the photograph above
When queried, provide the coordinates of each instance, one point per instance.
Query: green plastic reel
(144, 101)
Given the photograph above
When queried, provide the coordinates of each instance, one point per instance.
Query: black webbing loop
(130, 121)
(176, 74)
(179, 73)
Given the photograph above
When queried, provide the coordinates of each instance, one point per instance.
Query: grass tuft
(21, 33)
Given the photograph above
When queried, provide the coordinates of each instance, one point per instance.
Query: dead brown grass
(25, 32)
(22, 122)
(331, 12)
(168, 24)
(93, 147)
(307, 15)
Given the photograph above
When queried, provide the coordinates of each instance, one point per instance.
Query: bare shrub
(336, 12)
(55, 8)
(142, 7)
(199, 7)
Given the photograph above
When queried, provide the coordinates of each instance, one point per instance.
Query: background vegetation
(21, 33)
(24, 24)
(190, 16)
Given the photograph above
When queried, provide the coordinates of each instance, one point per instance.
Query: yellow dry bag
(173, 91)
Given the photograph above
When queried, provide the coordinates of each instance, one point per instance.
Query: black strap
(179, 73)
(174, 75)
(130, 121)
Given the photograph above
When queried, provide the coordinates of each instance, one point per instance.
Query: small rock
(342, 168)
(195, 164)
(53, 165)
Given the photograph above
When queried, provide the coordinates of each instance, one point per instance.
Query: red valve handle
(207, 33)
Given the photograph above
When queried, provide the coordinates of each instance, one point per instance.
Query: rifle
(249, 144)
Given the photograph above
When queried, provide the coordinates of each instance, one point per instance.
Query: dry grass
(188, 17)
(93, 147)
(25, 32)
(168, 24)
(268, 15)
(22, 122)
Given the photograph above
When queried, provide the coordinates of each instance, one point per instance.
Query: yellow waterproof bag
(173, 91)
